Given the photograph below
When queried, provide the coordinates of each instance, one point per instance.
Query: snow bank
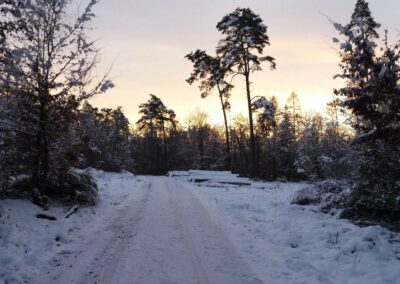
(298, 244)
(29, 246)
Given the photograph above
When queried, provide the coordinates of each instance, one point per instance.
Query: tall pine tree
(241, 49)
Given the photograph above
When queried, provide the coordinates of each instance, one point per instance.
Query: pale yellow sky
(146, 40)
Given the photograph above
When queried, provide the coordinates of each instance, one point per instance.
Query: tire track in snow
(92, 259)
(200, 271)
(216, 255)
(164, 235)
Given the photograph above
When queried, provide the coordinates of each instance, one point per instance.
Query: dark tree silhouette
(155, 121)
(46, 70)
(372, 97)
(244, 42)
(212, 75)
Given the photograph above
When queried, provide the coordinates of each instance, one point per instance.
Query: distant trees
(198, 138)
(157, 124)
(294, 109)
(317, 153)
(311, 159)
(195, 145)
(240, 145)
(286, 147)
(204, 142)
(241, 51)
(372, 98)
(281, 144)
(265, 130)
(105, 140)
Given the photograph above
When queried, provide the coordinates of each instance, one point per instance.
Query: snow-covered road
(173, 230)
(162, 235)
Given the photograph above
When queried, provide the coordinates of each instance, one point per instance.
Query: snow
(340, 28)
(297, 244)
(221, 229)
(383, 71)
(231, 21)
(164, 236)
(325, 159)
(262, 102)
(268, 108)
(106, 86)
(29, 245)
(346, 46)
(249, 40)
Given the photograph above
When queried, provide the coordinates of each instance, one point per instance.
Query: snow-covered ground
(296, 244)
(219, 229)
(31, 247)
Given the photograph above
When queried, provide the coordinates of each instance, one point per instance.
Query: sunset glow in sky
(146, 41)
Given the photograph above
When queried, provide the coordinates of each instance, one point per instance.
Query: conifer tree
(156, 120)
(286, 148)
(357, 53)
(212, 74)
(265, 110)
(372, 96)
(294, 109)
(241, 51)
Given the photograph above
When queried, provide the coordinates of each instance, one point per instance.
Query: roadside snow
(221, 227)
(28, 244)
(297, 244)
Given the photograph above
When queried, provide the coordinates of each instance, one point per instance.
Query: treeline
(296, 146)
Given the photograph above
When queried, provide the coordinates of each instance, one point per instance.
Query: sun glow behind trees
(156, 33)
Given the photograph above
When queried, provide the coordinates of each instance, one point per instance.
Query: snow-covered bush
(68, 188)
(73, 188)
(376, 192)
(105, 140)
(328, 195)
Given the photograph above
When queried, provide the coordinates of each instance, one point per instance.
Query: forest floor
(219, 229)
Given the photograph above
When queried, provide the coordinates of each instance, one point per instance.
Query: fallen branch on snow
(71, 211)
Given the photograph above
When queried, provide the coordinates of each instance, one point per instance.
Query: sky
(145, 41)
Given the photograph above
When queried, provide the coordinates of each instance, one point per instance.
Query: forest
(48, 126)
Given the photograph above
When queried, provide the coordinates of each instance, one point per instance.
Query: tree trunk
(41, 163)
(253, 165)
(228, 159)
(165, 147)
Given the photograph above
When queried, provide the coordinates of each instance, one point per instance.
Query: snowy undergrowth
(299, 244)
(28, 244)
